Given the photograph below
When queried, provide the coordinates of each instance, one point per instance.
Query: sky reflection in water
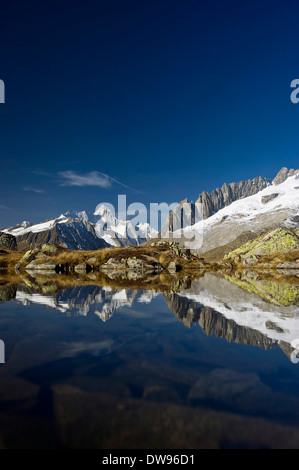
(94, 366)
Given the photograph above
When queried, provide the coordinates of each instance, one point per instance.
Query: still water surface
(208, 366)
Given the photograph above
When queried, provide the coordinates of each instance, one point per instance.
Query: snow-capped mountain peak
(116, 231)
(81, 230)
(276, 205)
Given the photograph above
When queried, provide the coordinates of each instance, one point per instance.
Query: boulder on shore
(8, 241)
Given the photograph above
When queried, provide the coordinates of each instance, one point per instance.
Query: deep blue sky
(168, 97)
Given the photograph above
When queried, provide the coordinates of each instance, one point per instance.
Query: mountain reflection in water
(262, 313)
(103, 362)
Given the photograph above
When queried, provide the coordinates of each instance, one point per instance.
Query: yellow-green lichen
(277, 293)
(48, 289)
(277, 241)
(27, 254)
(49, 248)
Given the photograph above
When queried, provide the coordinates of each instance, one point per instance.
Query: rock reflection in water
(240, 315)
(142, 380)
(243, 308)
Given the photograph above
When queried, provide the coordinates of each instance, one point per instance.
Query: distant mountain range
(81, 231)
(231, 215)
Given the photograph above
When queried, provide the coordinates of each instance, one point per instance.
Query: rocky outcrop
(269, 198)
(8, 241)
(276, 242)
(283, 175)
(46, 268)
(38, 259)
(133, 265)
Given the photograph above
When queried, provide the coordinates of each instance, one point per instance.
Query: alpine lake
(104, 363)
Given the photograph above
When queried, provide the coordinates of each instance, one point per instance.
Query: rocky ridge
(209, 204)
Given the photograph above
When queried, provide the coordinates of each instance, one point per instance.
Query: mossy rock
(41, 256)
(283, 294)
(48, 248)
(48, 289)
(276, 241)
(8, 241)
(27, 255)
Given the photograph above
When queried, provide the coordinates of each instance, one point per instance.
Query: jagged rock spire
(284, 174)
